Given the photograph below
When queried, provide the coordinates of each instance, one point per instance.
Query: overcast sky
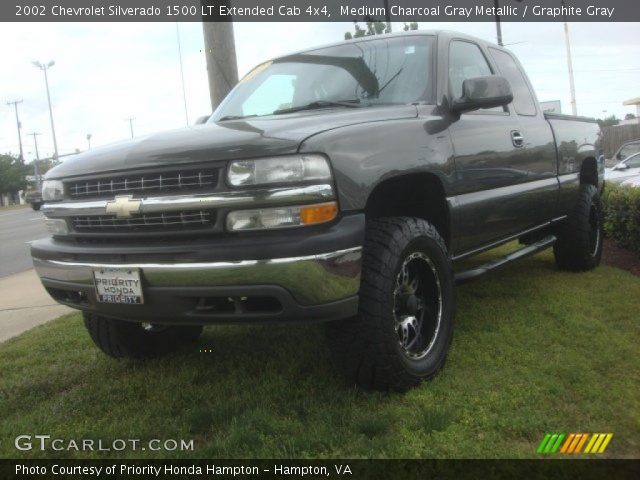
(106, 72)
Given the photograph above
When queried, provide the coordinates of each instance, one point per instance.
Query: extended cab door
(505, 171)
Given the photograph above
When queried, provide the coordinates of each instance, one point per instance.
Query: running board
(470, 275)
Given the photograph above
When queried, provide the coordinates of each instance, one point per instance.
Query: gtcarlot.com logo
(574, 443)
(46, 442)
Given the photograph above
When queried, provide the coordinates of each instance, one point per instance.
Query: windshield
(394, 70)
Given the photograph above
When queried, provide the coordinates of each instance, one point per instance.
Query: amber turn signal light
(319, 213)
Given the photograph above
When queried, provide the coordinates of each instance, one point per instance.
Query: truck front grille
(191, 220)
(142, 184)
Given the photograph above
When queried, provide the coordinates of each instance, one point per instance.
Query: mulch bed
(617, 256)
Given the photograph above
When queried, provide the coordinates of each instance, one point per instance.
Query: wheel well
(415, 195)
(589, 172)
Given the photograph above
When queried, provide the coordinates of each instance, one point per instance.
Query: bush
(622, 215)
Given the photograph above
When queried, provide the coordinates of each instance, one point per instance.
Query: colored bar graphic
(581, 443)
(567, 443)
(573, 443)
(593, 439)
(543, 443)
(557, 444)
(605, 442)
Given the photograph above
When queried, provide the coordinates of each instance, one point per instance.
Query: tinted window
(629, 150)
(523, 101)
(465, 61)
(633, 162)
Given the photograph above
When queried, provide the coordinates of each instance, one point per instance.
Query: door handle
(517, 139)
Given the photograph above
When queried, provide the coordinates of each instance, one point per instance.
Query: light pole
(572, 85)
(130, 120)
(15, 104)
(44, 68)
(89, 141)
(184, 92)
(36, 166)
(498, 25)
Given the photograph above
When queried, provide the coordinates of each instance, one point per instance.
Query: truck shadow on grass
(525, 338)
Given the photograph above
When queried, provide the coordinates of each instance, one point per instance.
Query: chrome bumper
(311, 280)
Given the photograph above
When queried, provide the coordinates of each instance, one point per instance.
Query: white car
(632, 182)
(626, 169)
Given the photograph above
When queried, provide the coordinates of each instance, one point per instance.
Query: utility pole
(496, 3)
(220, 52)
(572, 85)
(130, 120)
(184, 92)
(15, 104)
(44, 68)
(36, 163)
(387, 14)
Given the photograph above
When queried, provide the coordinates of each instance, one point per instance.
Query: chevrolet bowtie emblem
(123, 206)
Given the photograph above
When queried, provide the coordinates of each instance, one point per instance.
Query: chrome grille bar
(177, 203)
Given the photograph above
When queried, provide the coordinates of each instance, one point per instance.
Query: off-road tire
(120, 339)
(579, 245)
(368, 347)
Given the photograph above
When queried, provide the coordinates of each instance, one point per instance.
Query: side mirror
(483, 92)
(202, 119)
(621, 166)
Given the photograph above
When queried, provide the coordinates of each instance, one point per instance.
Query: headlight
(264, 171)
(281, 217)
(52, 190)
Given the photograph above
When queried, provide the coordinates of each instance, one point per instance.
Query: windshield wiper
(234, 117)
(355, 103)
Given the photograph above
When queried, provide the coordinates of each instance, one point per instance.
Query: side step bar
(470, 275)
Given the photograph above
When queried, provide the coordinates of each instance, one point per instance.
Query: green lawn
(13, 207)
(536, 350)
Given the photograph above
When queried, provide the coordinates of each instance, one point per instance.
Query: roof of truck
(437, 33)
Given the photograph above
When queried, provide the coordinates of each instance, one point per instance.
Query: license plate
(118, 285)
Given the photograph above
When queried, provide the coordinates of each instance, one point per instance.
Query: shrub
(622, 215)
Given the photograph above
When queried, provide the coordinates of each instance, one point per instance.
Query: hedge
(622, 215)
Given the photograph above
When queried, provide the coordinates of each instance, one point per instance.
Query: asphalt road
(17, 227)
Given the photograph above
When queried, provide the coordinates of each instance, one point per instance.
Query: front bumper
(218, 286)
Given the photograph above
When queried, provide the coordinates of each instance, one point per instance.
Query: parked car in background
(627, 168)
(624, 152)
(34, 198)
(632, 182)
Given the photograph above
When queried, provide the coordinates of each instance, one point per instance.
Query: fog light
(282, 217)
(56, 226)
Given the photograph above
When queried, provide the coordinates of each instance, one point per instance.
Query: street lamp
(44, 68)
(89, 140)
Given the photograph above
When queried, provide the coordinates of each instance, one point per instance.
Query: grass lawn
(536, 350)
(13, 207)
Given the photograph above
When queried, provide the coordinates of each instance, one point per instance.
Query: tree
(12, 175)
(373, 28)
(609, 121)
(629, 116)
(376, 28)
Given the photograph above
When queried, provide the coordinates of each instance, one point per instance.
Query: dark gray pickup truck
(341, 184)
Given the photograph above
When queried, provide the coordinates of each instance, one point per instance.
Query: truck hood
(229, 140)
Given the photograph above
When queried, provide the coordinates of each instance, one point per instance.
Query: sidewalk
(24, 303)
